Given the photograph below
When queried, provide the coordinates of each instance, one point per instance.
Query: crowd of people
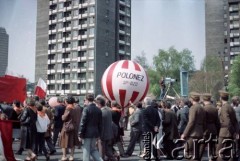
(98, 127)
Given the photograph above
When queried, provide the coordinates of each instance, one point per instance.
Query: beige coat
(70, 139)
(196, 122)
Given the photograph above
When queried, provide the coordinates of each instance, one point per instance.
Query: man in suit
(151, 122)
(182, 115)
(106, 136)
(229, 127)
(136, 129)
(90, 129)
(169, 129)
(212, 126)
(195, 127)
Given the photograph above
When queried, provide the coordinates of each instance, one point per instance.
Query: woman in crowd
(69, 139)
(28, 119)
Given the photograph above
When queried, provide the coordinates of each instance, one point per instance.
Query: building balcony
(85, 15)
(233, 9)
(90, 91)
(68, 8)
(52, 41)
(92, 14)
(127, 43)
(82, 26)
(122, 22)
(83, 91)
(121, 31)
(91, 25)
(234, 34)
(52, 31)
(82, 69)
(122, 12)
(52, 11)
(69, 18)
(52, 21)
(52, 51)
(51, 71)
(121, 52)
(121, 42)
(51, 61)
(79, 59)
(84, 4)
(237, 43)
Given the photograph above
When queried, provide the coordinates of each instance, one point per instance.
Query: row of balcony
(233, 9)
(236, 25)
(236, 43)
(78, 70)
(236, 17)
(67, 81)
(83, 5)
(63, 92)
(67, 60)
(64, 19)
(67, 39)
(79, 48)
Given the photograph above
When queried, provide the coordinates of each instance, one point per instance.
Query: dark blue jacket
(58, 112)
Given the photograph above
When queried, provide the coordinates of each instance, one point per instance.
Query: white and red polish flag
(41, 89)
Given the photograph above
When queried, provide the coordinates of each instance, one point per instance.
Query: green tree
(210, 77)
(234, 79)
(168, 64)
(142, 60)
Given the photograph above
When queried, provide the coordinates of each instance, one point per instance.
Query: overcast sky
(156, 24)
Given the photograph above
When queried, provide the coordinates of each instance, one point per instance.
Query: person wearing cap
(195, 127)
(90, 129)
(229, 125)
(212, 125)
(69, 139)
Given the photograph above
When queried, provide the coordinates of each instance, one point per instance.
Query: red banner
(6, 134)
(12, 88)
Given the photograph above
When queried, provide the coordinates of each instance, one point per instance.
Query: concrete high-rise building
(77, 40)
(3, 51)
(222, 30)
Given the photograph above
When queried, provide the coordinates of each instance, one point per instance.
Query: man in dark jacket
(136, 129)
(90, 129)
(182, 115)
(151, 123)
(106, 144)
(58, 123)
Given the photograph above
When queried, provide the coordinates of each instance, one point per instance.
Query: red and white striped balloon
(125, 81)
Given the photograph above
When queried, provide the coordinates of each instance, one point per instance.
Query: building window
(90, 86)
(74, 86)
(59, 87)
(91, 42)
(225, 58)
(59, 46)
(59, 56)
(60, 15)
(74, 65)
(75, 33)
(52, 47)
(51, 87)
(91, 31)
(225, 41)
(75, 2)
(60, 5)
(90, 53)
(59, 76)
(82, 86)
(65, 86)
(90, 75)
(74, 54)
(66, 76)
(60, 25)
(59, 66)
(82, 53)
(90, 64)
(74, 44)
(65, 55)
(82, 64)
(73, 75)
(82, 76)
(59, 35)
(75, 23)
(75, 12)
(91, 9)
(91, 20)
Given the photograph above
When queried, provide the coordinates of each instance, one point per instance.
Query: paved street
(78, 152)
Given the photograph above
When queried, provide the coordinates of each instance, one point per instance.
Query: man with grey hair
(151, 122)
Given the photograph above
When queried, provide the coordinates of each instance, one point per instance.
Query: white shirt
(42, 123)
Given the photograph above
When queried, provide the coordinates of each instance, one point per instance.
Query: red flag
(6, 134)
(41, 88)
(12, 88)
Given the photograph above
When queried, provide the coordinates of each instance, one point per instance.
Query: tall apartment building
(77, 40)
(3, 51)
(222, 30)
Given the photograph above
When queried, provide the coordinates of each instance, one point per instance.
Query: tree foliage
(142, 60)
(210, 77)
(168, 63)
(234, 79)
